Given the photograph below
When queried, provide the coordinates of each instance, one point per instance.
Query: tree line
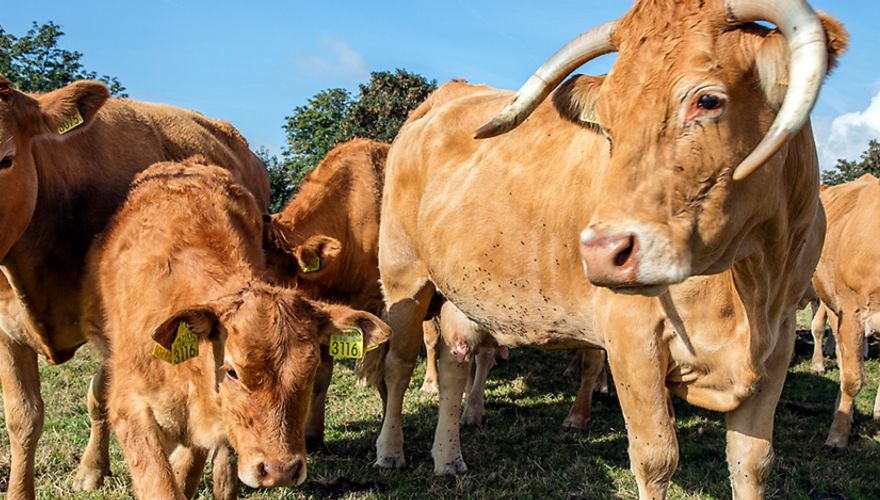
(35, 62)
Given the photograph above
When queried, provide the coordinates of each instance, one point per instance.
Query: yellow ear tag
(588, 115)
(316, 266)
(71, 122)
(348, 343)
(184, 347)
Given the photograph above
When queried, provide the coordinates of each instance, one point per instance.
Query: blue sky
(253, 62)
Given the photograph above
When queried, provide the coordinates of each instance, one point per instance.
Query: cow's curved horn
(808, 58)
(588, 45)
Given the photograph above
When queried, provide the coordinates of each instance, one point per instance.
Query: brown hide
(340, 199)
(80, 178)
(186, 246)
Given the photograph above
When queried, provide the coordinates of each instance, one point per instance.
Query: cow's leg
(447, 437)
(225, 473)
(314, 429)
(639, 369)
(405, 314)
(592, 364)
(188, 465)
(138, 434)
(750, 425)
(850, 359)
(573, 370)
(475, 405)
(431, 335)
(818, 329)
(602, 381)
(24, 412)
(94, 465)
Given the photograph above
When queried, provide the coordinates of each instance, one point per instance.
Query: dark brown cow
(178, 272)
(325, 243)
(66, 161)
(667, 212)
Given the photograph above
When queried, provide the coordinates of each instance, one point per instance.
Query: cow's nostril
(261, 469)
(625, 253)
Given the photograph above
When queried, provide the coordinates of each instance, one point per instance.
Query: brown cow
(66, 161)
(325, 243)
(179, 266)
(643, 180)
(847, 281)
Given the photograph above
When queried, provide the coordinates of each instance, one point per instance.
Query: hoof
(314, 443)
(429, 387)
(89, 479)
(471, 420)
(575, 424)
(456, 468)
(835, 446)
(394, 463)
(818, 370)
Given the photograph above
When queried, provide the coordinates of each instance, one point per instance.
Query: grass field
(520, 451)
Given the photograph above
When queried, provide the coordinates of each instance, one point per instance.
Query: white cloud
(341, 61)
(848, 135)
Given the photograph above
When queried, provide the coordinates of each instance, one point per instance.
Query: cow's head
(292, 260)
(23, 117)
(697, 101)
(266, 351)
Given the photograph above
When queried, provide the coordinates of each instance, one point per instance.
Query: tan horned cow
(179, 267)
(692, 157)
(847, 281)
(67, 158)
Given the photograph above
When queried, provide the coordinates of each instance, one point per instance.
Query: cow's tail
(372, 367)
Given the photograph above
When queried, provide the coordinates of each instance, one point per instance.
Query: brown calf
(179, 267)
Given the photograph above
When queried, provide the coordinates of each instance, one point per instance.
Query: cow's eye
(6, 162)
(230, 373)
(709, 102)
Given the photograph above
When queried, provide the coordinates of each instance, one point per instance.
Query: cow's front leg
(188, 464)
(139, 435)
(24, 412)
(431, 335)
(405, 319)
(750, 426)
(639, 369)
(850, 358)
(447, 442)
(592, 365)
(818, 328)
(94, 465)
(225, 473)
(314, 429)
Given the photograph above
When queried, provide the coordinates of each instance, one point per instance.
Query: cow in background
(847, 280)
(67, 159)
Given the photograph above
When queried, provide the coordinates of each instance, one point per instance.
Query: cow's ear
(315, 255)
(575, 100)
(199, 320)
(341, 318)
(5, 90)
(772, 57)
(72, 108)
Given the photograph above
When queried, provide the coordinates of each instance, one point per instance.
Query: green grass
(520, 451)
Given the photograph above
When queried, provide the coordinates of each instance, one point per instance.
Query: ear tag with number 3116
(349, 343)
(184, 347)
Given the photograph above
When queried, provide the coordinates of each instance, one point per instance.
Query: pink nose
(611, 260)
(276, 473)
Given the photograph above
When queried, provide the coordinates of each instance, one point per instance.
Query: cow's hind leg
(447, 437)
(431, 335)
(408, 294)
(850, 359)
(475, 405)
(314, 429)
(23, 406)
(750, 425)
(592, 365)
(818, 329)
(94, 465)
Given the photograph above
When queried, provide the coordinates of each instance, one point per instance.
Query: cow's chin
(646, 290)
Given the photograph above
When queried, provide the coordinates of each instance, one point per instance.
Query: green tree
(846, 171)
(333, 116)
(279, 184)
(35, 62)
